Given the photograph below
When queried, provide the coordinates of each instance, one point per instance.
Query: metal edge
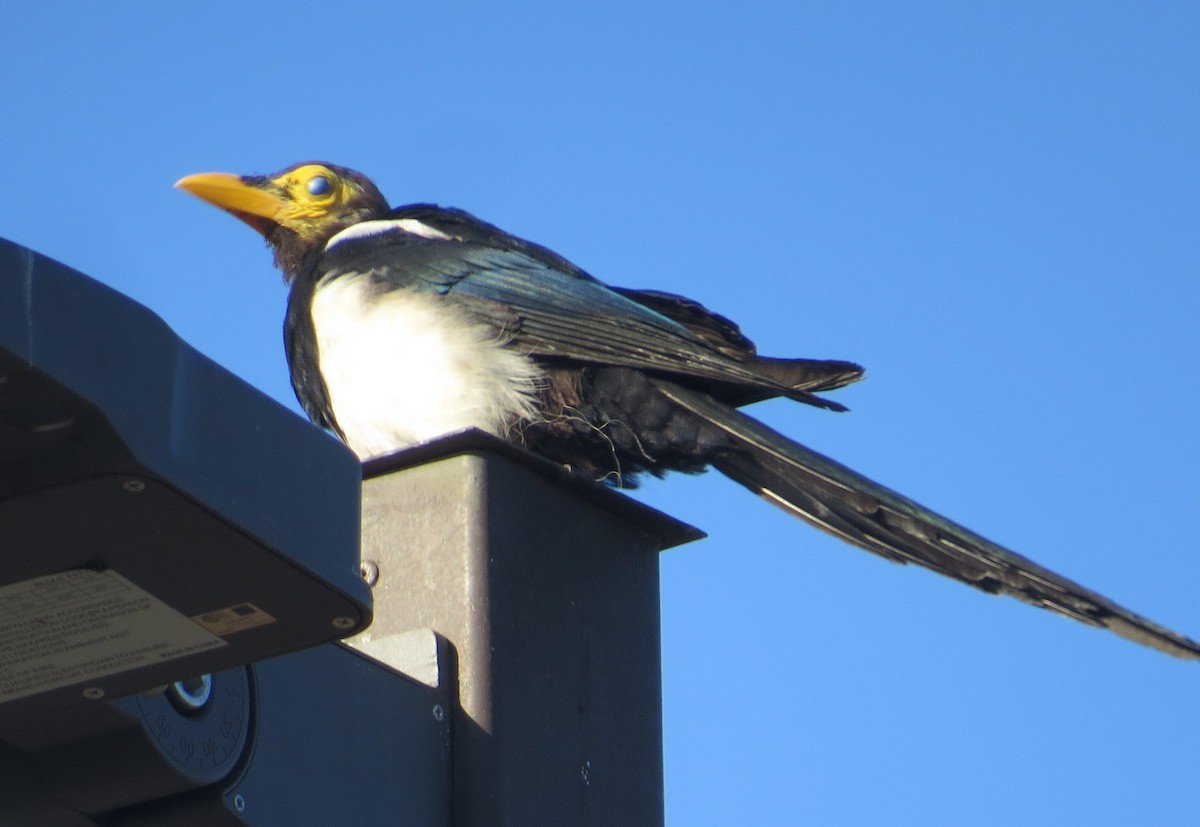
(669, 531)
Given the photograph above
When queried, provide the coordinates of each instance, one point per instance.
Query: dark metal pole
(545, 598)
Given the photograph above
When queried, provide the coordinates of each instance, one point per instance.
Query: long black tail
(844, 503)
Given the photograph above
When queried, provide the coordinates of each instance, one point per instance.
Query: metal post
(545, 594)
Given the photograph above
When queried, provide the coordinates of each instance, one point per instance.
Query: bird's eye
(319, 185)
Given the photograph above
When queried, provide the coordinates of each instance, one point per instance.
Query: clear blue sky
(993, 206)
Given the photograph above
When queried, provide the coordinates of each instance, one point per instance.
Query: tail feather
(848, 505)
(804, 376)
(812, 375)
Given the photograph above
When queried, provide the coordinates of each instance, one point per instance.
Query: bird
(403, 324)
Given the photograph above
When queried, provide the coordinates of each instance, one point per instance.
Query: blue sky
(993, 206)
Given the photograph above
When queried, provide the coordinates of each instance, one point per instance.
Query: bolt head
(369, 571)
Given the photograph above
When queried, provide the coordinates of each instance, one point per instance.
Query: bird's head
(296, 210)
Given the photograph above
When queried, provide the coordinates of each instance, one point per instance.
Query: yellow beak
(260, 208)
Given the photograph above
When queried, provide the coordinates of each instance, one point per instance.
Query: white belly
(404, 367)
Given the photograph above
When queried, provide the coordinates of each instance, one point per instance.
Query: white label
(81, 625)
(239, 618)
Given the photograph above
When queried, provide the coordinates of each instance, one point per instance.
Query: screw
(439, 714)
(343, 623)
(134, 486)
(239, 803)
(93, 693)
(369, 571)
(585, 773)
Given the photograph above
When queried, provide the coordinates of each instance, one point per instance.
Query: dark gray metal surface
(26, 801)
(550, 601)
(109, 755)
(326, 737)
(124, 450)
(179, 414)
(338, 740)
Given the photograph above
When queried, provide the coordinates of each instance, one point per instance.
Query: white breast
(403, 367)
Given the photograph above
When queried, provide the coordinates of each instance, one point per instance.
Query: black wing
(552, 310)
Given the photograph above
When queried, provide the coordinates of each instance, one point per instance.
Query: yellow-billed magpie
(403, 324)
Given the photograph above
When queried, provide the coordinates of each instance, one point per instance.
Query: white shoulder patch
(363, 229)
